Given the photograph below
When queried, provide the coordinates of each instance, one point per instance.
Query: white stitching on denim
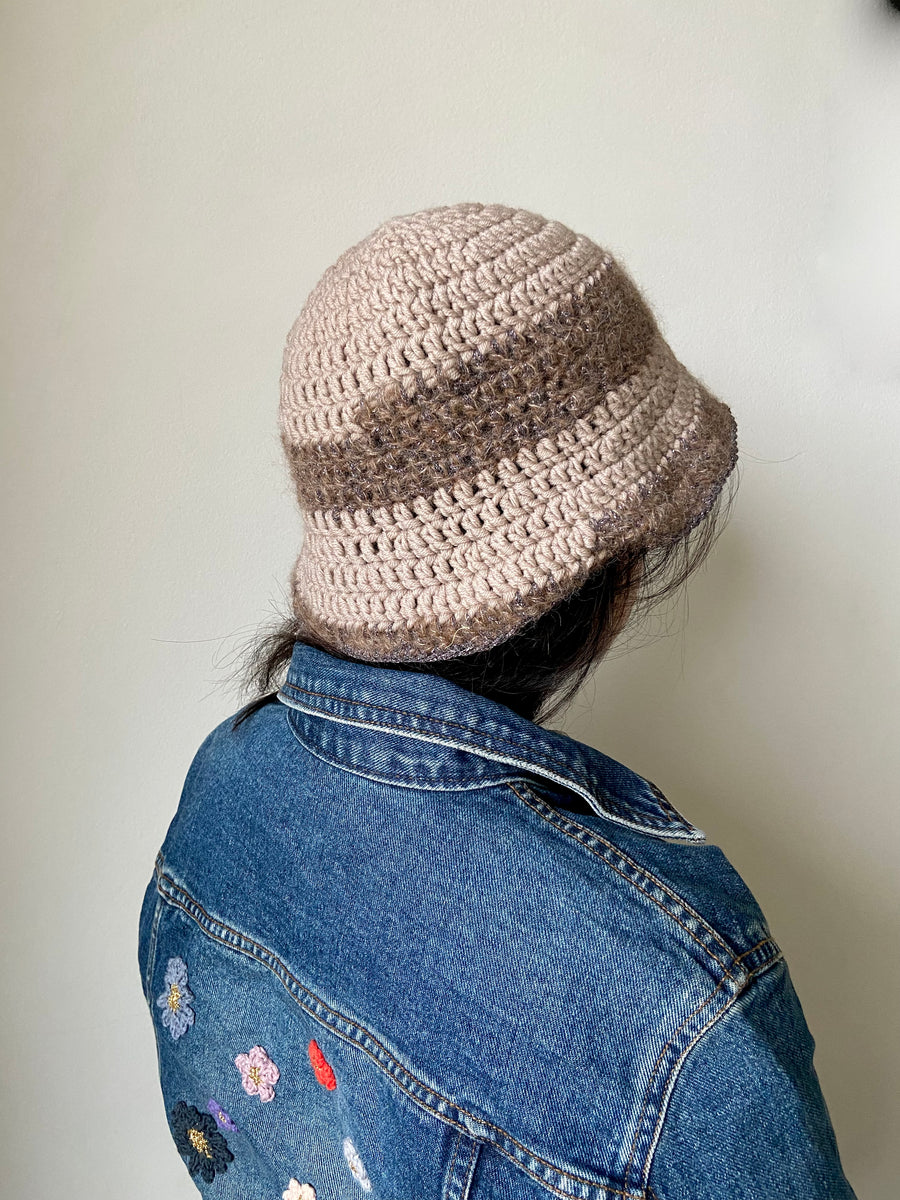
(402, 712)
(465, 786)
(648, 826)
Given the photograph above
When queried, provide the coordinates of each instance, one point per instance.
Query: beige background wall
(176, 177)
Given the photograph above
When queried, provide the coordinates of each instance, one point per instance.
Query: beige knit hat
(479, 410)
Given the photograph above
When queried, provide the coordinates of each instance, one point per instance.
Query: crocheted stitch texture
(478, 410)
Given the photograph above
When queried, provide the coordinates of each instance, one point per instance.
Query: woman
(402, 938)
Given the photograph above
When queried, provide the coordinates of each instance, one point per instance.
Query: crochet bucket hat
(478, 411)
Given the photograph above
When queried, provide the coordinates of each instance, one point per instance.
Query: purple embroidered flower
(221, 1116)
(258, 1073)
(176, 1000)
(199, 1143)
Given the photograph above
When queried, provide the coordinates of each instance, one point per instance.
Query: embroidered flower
(176, 1000)
(199, 1143)
(221, 1116)
(258, 1073)
(299, 1191)
(354, 1162)
(323, 1071)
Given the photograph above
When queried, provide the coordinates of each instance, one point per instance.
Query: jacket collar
(464, 740)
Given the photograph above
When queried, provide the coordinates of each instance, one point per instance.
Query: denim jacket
(402, 941)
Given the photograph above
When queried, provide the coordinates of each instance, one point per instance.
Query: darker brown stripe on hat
(525, 388)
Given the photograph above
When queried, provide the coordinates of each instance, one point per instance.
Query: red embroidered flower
(322, 1070)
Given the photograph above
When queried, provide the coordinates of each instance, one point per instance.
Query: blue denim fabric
(525, 973)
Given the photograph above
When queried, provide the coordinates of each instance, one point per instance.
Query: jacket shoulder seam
(673, 905)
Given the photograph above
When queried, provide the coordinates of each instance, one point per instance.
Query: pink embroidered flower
(299, 1191)
(258, 1073)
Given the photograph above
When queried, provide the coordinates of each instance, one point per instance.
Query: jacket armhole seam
(674, 1075)
(675, 1071)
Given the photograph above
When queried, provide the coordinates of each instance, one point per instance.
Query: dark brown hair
(553, 654)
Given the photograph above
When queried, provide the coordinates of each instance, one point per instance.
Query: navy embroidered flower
(175, 1001)
(199, 1143)
(221, 1116)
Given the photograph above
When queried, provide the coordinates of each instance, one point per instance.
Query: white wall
(176, 177)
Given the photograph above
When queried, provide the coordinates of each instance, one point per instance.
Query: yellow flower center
(174, 998)
(198, 1140)
(256, 1075)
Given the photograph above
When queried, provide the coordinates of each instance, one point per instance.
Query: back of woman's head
(497, 456)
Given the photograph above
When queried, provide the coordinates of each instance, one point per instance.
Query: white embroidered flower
(354, 1162)
(299, 1191)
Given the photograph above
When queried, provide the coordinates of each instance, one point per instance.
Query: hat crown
(425, 292)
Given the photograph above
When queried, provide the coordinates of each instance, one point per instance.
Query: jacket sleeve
(746, 1118)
